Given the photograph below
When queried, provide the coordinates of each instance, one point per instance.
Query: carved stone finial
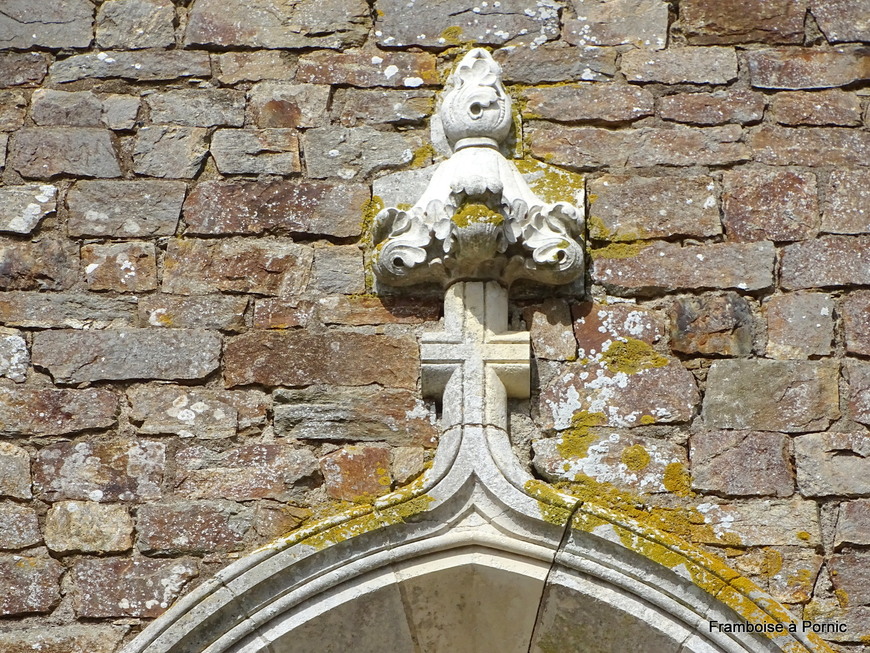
(478, 219)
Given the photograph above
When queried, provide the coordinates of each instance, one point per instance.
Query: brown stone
(623, 208)
(14, 471)
(190, 527)
(88, 527)
(711, 65)
(361, 310)
(19, 527)
(377, 106)
(281, 104)
(850, 573)
(22, 68)
(338, 269)
(765, 395)
(357, 473)
(831, 464)
(263, 266)
(853, 523)
(255, 66)
(810, 146)
(140, 65)
(22, 208)
(124, 587)
(281, 313)
(30, 584)
(597, 325)
(855, 312)
(77, 356)
(795, 68)
(123, 267)
(857, 374)
(272, 520)
(169, 151)
(799, 325)
(556, 63)
(664, 267)
(253, 471)
(399, 69)
(761, 522)
(717, 108)
(88, 638)
(47, 263)
(550, 325)
(71, 310)
(51, 411)
(833, 107)
(356, 152)
(13, 106)
(741, 463)
(641, 23)
(54, 24)
(224, 312)
(45, 152)
(788, 573)
(116, 208)
(61, 108)
(198, 107)
(712, 324)
(847, 202)
(407, 463)
(826, 261)
(256, 151)
(769, 205)
(332, 357)
(745, 21)
(131, 24)
(588, 102)
(842, 20)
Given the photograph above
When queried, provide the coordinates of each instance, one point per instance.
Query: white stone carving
(478, 219)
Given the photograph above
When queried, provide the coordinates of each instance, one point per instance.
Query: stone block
(826, 261)
(688, 65)
(810, 146)
(14, 472)
(79, 356)
(52, 24)
(741, 463)
(664, 267)
(339, 358)
(169, 151)
(855, 313)
(201, 413)
(717, 108)
(216, 107)
(337, 24)
(588, 102)
(246, 473)
(794, 397)
(223, 312)
(853, 523)
(624, 208)
(120, 111)
(857, 374)
(65, 310)
(338, 270)
(375, 106)
(191, 527)
(712, 324)
(830, 464)
(312, 207)
(30, 584)
(788, 573)
(846, 208)
(407, 463)
(122, 267)
(796, 68)
(362, 310)
(842, 20)
(641, 23)
(22, 68)
(65, 109)
(392, 69)
(280, 313)
(555, 63)
(255, 66)
(47, 263)
(139, 65)
(88, 527)
(832, 107)
(133, 24)
(22, 208)
(45, 152)
(357, 473)
(799, 325)
(274, 266)
(124, 209)
(744, 21)
(13, 107)
(19, 528)
(850, 573)
(356, 152)
(596, 326)
(256, 151)
(551, 327)
(89, 638)
(281, 104)
(124, 587)
(14, 357)
(55, 411)
(761, 522)
(273, 520)
(364, 414)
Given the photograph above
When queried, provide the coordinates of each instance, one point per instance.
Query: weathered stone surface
(281, 313)
(623, 208)
(663, 267)
(454, 21)
(842, 20)
(88, 527)
(256, 151)
(224, 312)
(120, 111)
(764, 21)
(30, 584)
(191, 527)
(44, 152)
(711, 65)
(41, 264)
(198, 107)
(394, 69)
(338, 358)
(315, 207)
(50, 411)
(850, 572)
(22, 208)
(712, 324)
(717, 108)
(595, 102)
(769, 205)
(365, 414)
(833, 107)
(853, 523)
(169, 151)
(264, 266)
(528, 65)
(355, 107)
(338, 269)
(795, 396)
(14, 357)
(826, 261)
(51, 24)
(75, 638)
(14, 471)
(642, 23)
(357, 473)
(124, 587)
(596, 326)
(741, 463)
(62, 108)
(855, 312)
(799, 325)
(832, 464)
(828, 613)
(281, 104)
(846, 209)
(272, 520)
(810, 146)
(356, 152)
(77, 356)
(22, 68)
(551, 328)
(71, 310)
(13, 107)
(253, 471)
(789, 68)
(133, 24)
(361, 310)
(124, 209)
(407, 463)
(140, 65)
(254, 66)
(19, 528)
(788, 573)
(124, 267)
(857, 374)
(762, 522)
(115, 470)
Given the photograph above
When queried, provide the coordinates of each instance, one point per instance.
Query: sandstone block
(717, 108)
(710, 65)
(44, 152)
(855, 312)
(791, 68)
(826, 261)
(598, 325)
(52, 411)
(19, 527)
(88, 638)
(763, 21)
(330, 357)
(87, 527)
(13, 107)
(393, 69)
(78, 356)
(140, 65)
(123, 267)
(590, 102)
(264, 266)
(255, 65)
(256, 151)
(30, 584)
(191, 527)
(169, 151)
(357, 473)
(116, 208)
(712, 324)
(857, 374)
(799, 325)
(847, 198)
(641, 23)
(361, 310)
(70, 310)
(833, 107)
(551, 327)
(534, 65)
(356, 152)
(47, 263)
(377, 106)
(22, 208)
(842, 20)
(133, 24)
(810, 146)
(22, 68)
(850, 572)
(338, 270)
(281, 104)
(198, 107)
(51, 24)
(14, 357)
(794, 396)
(853, 523)
(832, 464)
(762, 522)
(124, 587)
(224, 312)
(14, 471)
(741, 463)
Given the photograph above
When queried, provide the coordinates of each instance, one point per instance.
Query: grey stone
(846, 209)
(19, 528)
(403, 187)
(842, 20)
(169, 151)
(853, 523)
(65, 310)
(14, 472)
(254, 66)
(855, 311)
(44, 152)
(799, 325)
(556, 63)
(22, 208)
(826, 261)
(256, 151)
(88, 638)
(857, 375)
(589, 102)
(356, 152)
(140, 65)
(198, 107)
(62, 108)
(642, 23)
(282, 104)
(712, 324)
(177, 410)
(4, 140)
(13, 107)
(22, 68)
(123, 209)
(192, 527)
(339, 270)
(30, 583)
(355, 107)
(830, 464)
(741, 463)
(14, 357)
(697, 65)
(790, 68)
(551, 330)
(761, 522)
(88, 527)
(55, 411)
(120, 111)
(224, 312)
(717, 108)
(133, 24)
(49, 24)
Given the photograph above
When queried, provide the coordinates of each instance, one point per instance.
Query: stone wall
(192, 359)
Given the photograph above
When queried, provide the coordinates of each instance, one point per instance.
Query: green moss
(619, 250)
(631, 356)
(635, 457)
(476, 213)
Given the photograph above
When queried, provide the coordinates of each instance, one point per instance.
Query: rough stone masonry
(193, 361)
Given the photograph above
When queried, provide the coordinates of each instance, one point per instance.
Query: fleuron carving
(478, 219)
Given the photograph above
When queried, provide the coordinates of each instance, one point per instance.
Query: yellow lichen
(422, 156)
(635, 457)
(575, 441)
(452, 35)
(678, 480)
(554, 507)
(647, 419)
(803, 535)
(619, 251)
(550, 183)
(631, 356)
(771, 563)
(476, 213)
